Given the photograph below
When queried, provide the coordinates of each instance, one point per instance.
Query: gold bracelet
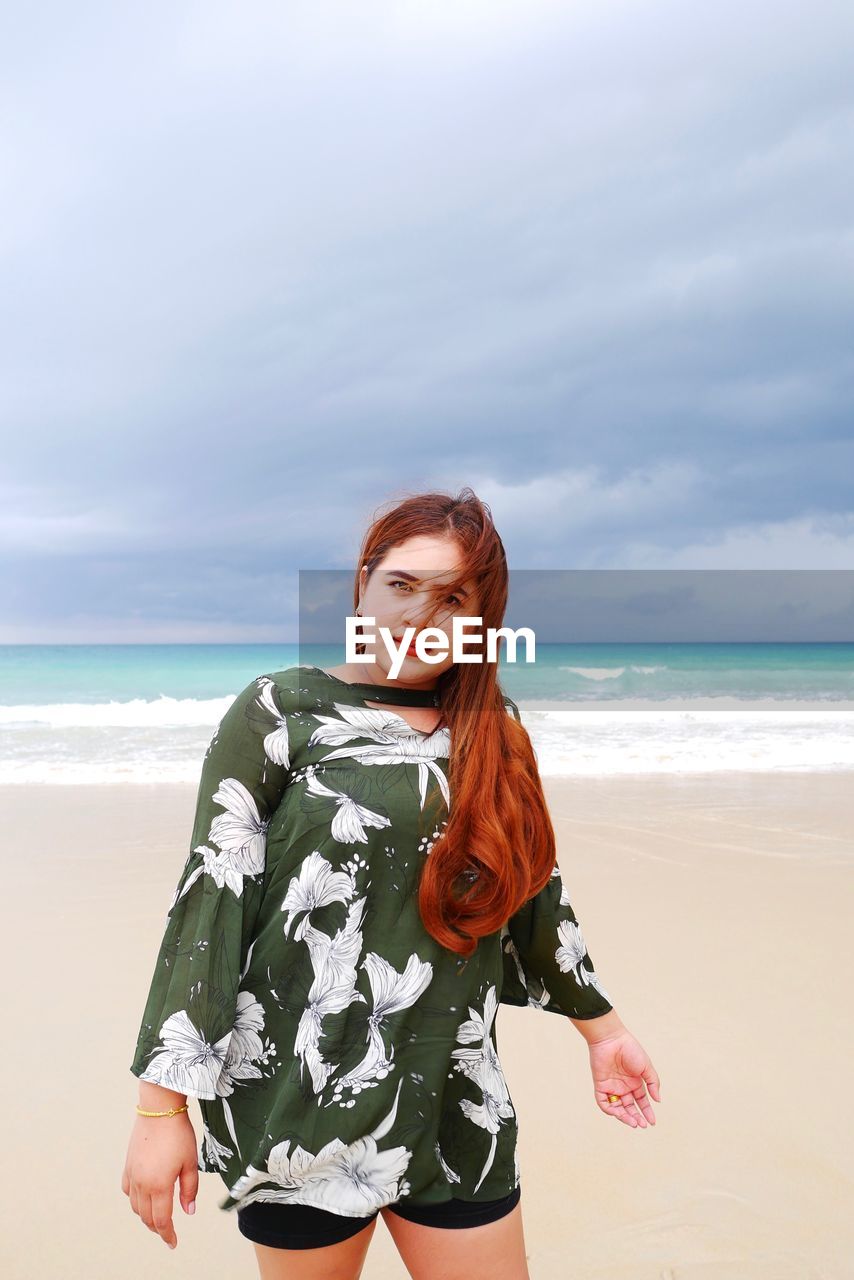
(173, 1111)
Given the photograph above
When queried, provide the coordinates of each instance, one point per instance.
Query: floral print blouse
(341, 1056)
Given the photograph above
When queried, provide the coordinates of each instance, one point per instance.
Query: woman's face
(396, 596)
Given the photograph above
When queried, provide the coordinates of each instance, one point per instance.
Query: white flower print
(570, 956)
(240, 831)
(333, 989)
(187, 1063)
(391, 992)
(509, 946)
(276, 743)
(392, 741)
(593, 979)
(353, 1179)
(245, 1049)
(351, 818)
(483, 1067)
(214, 1154)
(334, 986)
(372, 722)
(241, 835)
(316, 885)
(446, 1168)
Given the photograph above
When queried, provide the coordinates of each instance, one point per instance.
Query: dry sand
(717, 913)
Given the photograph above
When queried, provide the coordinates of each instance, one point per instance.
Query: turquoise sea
(80, 714)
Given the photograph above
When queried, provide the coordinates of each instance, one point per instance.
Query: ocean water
(83, 714)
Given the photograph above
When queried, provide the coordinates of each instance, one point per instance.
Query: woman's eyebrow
(411, 577)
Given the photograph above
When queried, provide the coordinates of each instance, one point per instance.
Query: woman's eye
(398, 582)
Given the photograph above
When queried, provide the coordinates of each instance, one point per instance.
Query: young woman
(343, 933)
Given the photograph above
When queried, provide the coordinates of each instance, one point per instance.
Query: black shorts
(301, 1226)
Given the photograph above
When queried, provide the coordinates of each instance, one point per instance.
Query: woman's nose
(418, 623)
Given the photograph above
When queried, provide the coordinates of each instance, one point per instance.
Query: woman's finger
(651, 1077)
(617, 1110)
(145, 1210)
(624, 1114)
(162, 1204)
(631, 1106)
(644, 1103)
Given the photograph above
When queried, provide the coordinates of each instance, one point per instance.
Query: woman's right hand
(161, 1150)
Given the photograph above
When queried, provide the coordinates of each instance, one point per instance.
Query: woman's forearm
(154, 1097)
(602, 1028)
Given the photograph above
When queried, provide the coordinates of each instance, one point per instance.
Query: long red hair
(497, 847)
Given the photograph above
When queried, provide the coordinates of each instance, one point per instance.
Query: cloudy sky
(267, 266)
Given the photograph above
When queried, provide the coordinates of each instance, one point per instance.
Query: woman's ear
(363, 582)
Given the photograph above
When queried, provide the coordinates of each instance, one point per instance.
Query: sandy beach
(717, 913)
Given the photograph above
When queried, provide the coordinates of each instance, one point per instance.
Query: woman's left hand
(620, 1065)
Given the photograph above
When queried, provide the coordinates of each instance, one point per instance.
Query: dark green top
(343, 1058)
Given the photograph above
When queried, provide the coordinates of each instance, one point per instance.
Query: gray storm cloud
(266, 266)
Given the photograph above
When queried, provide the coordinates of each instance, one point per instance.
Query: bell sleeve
(546, 963)
(193, 1009)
